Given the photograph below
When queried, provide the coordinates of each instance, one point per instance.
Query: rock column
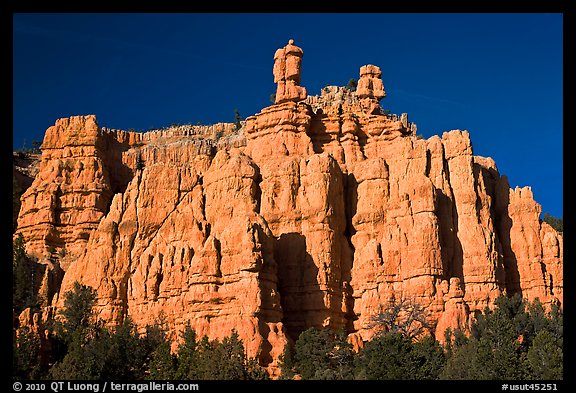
(287, 68)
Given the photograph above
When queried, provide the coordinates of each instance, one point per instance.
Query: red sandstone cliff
(315, 213)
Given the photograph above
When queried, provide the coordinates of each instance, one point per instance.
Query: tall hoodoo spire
(287, 69)
(370, 84)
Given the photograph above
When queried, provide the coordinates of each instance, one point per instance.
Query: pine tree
(227, 360)
(79, 337)
(554, 222)
(26, 358)
(215, 360)
(23, 269)
(322, 354)
(287, 363)
(77, 311)
(163, 363)
(188, 357)
(352, 84)
(311, 352)
(386, 357)
(462, 361)
(237, 119)
(516, 340)
(545, 357)
(123, 358)
(427, 358)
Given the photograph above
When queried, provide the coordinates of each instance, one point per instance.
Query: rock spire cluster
(317, 212)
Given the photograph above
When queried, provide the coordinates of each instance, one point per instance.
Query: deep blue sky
(499, 76)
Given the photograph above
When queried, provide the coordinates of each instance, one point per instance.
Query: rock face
(317, 212)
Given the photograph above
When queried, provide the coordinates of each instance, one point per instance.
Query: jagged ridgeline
(315, 212)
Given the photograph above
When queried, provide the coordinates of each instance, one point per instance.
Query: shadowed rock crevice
(351, 204)
(119, 171)
(503, 225)
(300, 293)
(258, 192)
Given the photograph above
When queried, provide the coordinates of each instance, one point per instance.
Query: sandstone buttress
(316, 212)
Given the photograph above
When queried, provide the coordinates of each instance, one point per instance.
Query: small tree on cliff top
(237, 119)
(554, 222)
(352, 84)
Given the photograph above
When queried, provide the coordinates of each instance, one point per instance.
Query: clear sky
(499, 76)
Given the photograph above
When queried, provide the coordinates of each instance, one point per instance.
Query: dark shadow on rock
(503, 224)
(457, 265)
(351, 206)
(491, 180)
(317, 131)
(270, 312)
(301, 297)
(448, 222)
(119, 173)
(265, 357)
(448, 239)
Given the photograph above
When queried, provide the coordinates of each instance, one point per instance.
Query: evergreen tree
(85, 357)
(428, 359)
(462, 362)
(387, 356)
(23, 269)
(77, 311)
(311, 352)
(227, 359)
(554, 222)
(287, 363)
(123, 355)
(323, 354)
(95, 352)
(237, 119)
(545, 357)
(516, 340)
(188, 357)
(79, 337)
(219, 360)
(498, 345)
(26, 359)
(352, 84)
(155, 350)
(163, 363)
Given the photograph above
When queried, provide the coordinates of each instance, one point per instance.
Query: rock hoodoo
(287, 68)
(317, 212)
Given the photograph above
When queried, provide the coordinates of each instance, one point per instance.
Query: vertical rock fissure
(503, 226)
(258, 191)
(456, 264)
(350, 206)
(123, 292)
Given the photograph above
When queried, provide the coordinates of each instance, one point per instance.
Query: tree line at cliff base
(517, 340)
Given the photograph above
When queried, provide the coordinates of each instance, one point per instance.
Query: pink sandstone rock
(287, 69)
(316, 212)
